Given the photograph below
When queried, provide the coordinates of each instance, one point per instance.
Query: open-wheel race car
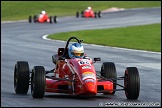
(74, 76)
(43, 18)
(88, 13)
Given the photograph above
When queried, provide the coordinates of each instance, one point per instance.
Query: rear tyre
(132, 83)
(108, 70)
(55, 20)
(38, 82)
(77, 14)
(99, 14)
(30, 19)
(21, 77)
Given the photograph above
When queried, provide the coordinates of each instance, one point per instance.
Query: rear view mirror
(97, 59)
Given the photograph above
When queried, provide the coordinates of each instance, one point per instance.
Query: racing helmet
(43, 12)
(89, 8)
(76, 50)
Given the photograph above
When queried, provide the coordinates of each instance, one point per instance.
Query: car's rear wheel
(131, 83)
(108, 70)
(99, 14)
(77, 14)
(30, 19)
(55, 20)
(21, 77)
(38, 82)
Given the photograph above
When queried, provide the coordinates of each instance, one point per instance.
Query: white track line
(45, 37)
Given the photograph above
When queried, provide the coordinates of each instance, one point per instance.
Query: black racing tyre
(95, 13)
(38, 82)
(35, 18)
(50, 18)
(77, 14)
(55, 20)
(108, 70)
(82, 13)
(21, 77)
(131, 83)
(99, 14)
(30, 19)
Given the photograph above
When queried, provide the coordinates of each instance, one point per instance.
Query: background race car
(89, 13)
(42, 19)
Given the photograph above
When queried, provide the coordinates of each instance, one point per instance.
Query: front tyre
(21, 77)
(35, 18)
(131, 83)
(95, 14)
(82, 13)
(38, 82)
(108, 70)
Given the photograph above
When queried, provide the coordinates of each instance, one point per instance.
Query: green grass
(20, 10)
(145, 37)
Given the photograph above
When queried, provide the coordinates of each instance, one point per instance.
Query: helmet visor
(78, 54)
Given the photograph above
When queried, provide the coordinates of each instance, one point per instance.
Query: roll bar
(67, 43)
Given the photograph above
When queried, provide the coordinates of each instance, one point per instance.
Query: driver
(43, 12)
(89, 9)
(76, 50)
(43, 16)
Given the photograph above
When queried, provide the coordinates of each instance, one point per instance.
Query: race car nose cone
(90, 88)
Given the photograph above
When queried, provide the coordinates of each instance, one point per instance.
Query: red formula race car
(89, 13)
(42, 18)
(74, 76)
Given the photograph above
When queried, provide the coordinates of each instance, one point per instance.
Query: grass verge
(145, 37)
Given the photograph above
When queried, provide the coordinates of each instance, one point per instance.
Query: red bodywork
(89, 13)
(43, 18)
(77, 77)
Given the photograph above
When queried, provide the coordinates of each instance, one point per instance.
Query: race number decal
(82, 62)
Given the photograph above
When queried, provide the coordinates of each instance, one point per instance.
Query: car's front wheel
(108, 70)
(21, 77)
(38, 82)
(131, 83)
(35, 18)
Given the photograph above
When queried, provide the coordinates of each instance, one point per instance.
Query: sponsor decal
(89, 80)
(86, 67)
(86, 75)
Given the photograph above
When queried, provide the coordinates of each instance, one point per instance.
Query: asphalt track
(23, 41)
